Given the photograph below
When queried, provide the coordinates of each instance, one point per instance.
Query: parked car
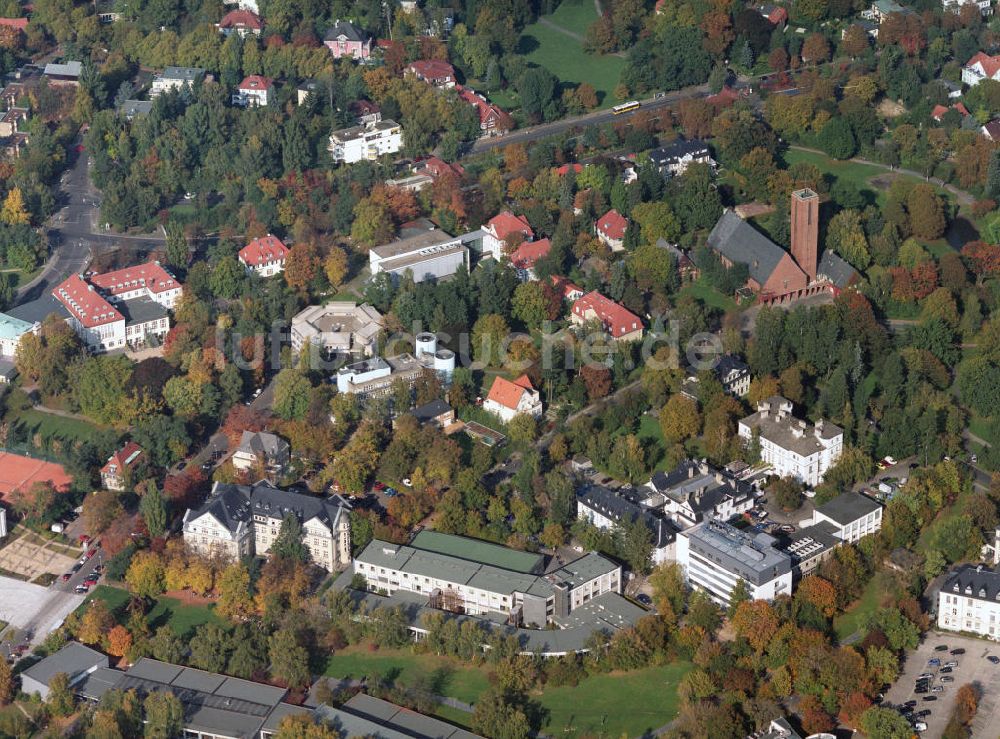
(910, 704)
(924, 713)
(946, 670)
(919, 691)
(66, 576)
(890, 461)
(90, 582)
(941, 648)
(407, 482)
(925, 676)
(920, 726)
(83, 539)
(90, 553)
(933, 662)
(81, 589)
(929, 698)
(391, 492)
(953, 663)
(644, 599)
(77, 567)
(994, 659)
(956, 652)
(937, 689)
(947, 679)
(378, 485)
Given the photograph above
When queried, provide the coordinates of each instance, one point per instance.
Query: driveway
(973, 667)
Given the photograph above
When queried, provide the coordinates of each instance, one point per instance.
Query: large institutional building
(479, 578)
(789, 445)
(240, 521)
(970, 601)
(122, 308)
(338, 328)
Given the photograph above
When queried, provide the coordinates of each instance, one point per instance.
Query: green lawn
(575, 15)
(31, 422)
(852, 619)
(564, 57)
(619, 704)
(651, 435)
(708, 295)
(463, 683)
(181, 617)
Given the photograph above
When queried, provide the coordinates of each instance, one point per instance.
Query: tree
(837, 139)
(495, 716)
(680, 419)
(536, 88)
(336, 266)
(927, 220)
(154, 511)
(815, 49)
(145, 574)
(235, 603)
(885, 723)
(210, 648)
(530, 305)
(787, 492)
(597, 379)
(166, 646)
(489, 334)
(100, 509)
(291, 394)
(13, 212)
(177, 250)
(164, 715)
(819, 593)
(6, 683)
(289, 543)
(95, 623)
(289, 659)
(119, 641)
(303, 726)
(756, 621)
(635, 544)
(656, 221)
(60, 698)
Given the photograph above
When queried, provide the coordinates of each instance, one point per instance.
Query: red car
(379, 485)
(90, 553)
(83, 539)
(90, 582)
(66, 576)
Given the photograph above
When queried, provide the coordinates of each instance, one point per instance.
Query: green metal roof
(475, 550)
(12, 328)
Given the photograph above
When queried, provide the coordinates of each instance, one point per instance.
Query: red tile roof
(485, 108)
(566, 287)
(616, 319)
(238, 18)
(19, 23)
(612, 224)
(939, 110)
(436, 167)
(991, 64)
(256, 82)
(432, 69)
(124, 458)
(85, 303)
(150, 275)
(506, 223)
(529, 252)
(507, 393)
(262, 250)
(363, 107)
(564, 169)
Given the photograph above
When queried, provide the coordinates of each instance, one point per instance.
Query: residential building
(694, 492)
(609, 509)
(870, 27)
(673, 159)
(74, 660)
(610, 229)
(938, 111)
(255, 91)
(11, 331)
(434, 72)
(493, 121)
(425, 173)
(981, 67)
(879, 10)
(66, 73)
(264, 256)
(715, 556)
(307, 88)
(477, 578)
(779, 728)
(991, 130)
(239, 521)
(508, 399)
(809, 546)
(18, 24)
(11, 120)
(241, 22)
(969, 601)
(734, 374)
(429, 255)
(344, 39)
(686, 268)
(116, 474)
(436, 413)
(132, 109)
(503, 231)
(571, 292)
(176, 78)
(126, 307)
(525, 256)
(366, 142)
(364, 112)
(776, 15)
(991, 549)
(260, 450)
(851, 515)
(789, 445)
(985, 6)
(338, 328)
(620, 323)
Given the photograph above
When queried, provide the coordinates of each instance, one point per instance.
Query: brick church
(776, 275)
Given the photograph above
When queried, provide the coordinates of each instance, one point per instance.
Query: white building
(255, 91)
(338, 328)
(981, 67)
(969, 601)
(375, 376)
(715, 556)
(367, 142)
(503, 229)
(694, 492)
(607, 509)
(789, 445)
(734, 374)
(124, 308)
(674, 158)
(175, 78)
(477, 578)
(264, 256)
(239, 521)
(985, 6)
(508, 399)
(3, 522)
(852, 515)
(11, 331)
(429, 255)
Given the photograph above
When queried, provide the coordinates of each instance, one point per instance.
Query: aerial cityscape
(459, 369)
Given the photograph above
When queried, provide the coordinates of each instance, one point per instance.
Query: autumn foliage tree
(119, 641)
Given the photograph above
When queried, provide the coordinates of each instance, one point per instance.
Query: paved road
(73, 234)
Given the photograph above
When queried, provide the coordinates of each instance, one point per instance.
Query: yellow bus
(625, 107)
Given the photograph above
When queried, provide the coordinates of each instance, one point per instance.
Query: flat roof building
(338, 328)
(429, 255)
(75, 660)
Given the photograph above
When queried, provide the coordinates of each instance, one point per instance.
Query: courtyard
(28, 556)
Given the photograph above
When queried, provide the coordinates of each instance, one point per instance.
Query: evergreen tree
(289, 543)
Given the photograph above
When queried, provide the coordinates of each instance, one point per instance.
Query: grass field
(31, 422)
(564, 56)
(650, 434)
(708, 295)
(181, 617)
(852, 619)
(463, 683)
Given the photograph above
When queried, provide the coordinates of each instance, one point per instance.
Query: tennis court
(20, 473)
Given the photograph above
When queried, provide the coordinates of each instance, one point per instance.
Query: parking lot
(972, 667)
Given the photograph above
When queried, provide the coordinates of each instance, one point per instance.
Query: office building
(337, 329)
(432, 255)
(969, 601)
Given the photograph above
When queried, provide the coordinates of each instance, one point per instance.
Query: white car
(920, 726)
(890, 461)
(407, 482)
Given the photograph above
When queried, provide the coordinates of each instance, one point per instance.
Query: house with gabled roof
(434, 72)
(610, 229)
(239, 521)
(508, 399)
(500, 228)
(264, 256)
(255, 91)
(116, 472)
(981, 67)
(344, 39)
(619, 322)
(524, 257)
(241, 22)
(261, 450)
